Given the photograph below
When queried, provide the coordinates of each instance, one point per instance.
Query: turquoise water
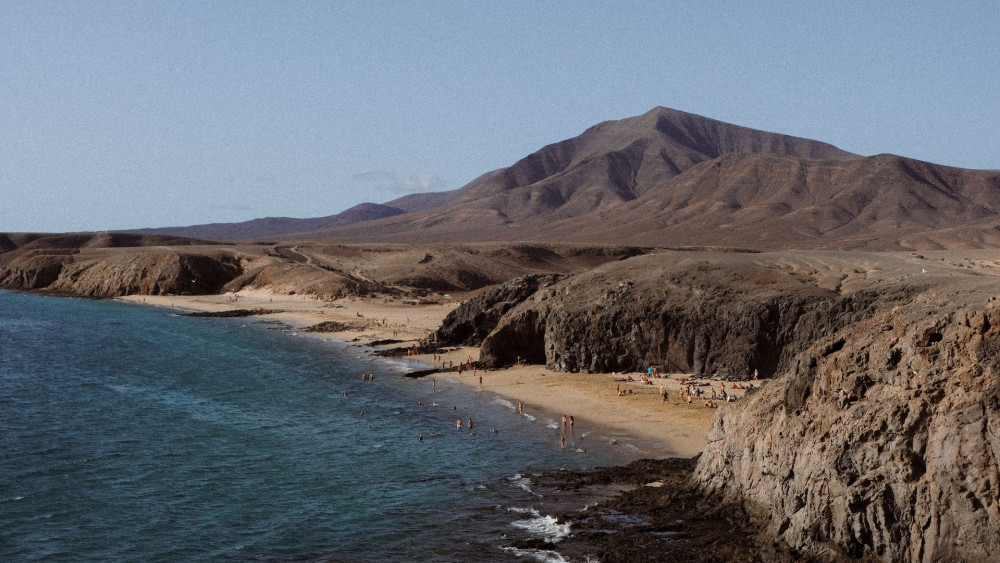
(133, 433)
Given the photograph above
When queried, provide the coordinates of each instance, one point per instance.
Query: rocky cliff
(122, 273)
(689, 312)
(472, 321)
(879, 436)
(882, 440)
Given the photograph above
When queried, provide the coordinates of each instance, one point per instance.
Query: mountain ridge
(668, 177)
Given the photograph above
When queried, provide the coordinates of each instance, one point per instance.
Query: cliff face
(882, 440)
(472, 321)
(122, 273)
(683, 312)
(879, 436)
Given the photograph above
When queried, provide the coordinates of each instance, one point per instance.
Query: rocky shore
(877, 436)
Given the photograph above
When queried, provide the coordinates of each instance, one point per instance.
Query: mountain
(769, 201)
(670, 178)
(269, 227)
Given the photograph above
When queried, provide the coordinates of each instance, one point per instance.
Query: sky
(130, 114)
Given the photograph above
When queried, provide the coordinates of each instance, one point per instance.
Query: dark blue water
(132, 433)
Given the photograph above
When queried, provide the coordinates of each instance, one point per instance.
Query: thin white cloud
(390, 182)
(424, 182)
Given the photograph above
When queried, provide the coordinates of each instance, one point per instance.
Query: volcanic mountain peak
(671, 178)
(617, 161)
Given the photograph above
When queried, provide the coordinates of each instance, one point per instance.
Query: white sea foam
(522, 482)
(544, 555)
(504, 402)
(529, 417)
(546, 527)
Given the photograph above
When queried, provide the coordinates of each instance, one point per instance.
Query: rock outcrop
(32, 271)
(123, 273)
(879, 436)
(881, 441)
(472, 321)
(689, 312)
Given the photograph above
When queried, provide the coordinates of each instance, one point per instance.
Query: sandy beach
(672, 427)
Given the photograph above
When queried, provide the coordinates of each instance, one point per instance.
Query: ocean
(134, 433)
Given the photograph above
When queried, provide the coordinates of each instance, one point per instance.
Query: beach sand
(672, 428)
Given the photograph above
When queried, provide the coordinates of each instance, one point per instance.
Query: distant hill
(670, 178)
(770, 201)
(270, 227)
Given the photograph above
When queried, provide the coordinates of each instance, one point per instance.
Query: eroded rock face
(879, 437)
(473, 320)
(882, 440)
(677, 312)
(121, 274)
(32, 271)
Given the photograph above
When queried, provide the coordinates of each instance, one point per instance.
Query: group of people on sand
(691, 389)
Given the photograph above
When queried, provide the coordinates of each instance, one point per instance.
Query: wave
(544, 526)
(504, 402)
(544, 555)
(522, 482)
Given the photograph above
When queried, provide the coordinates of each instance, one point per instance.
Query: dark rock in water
(657, 514)
(234, 313)
(473, 320)
(330, 326)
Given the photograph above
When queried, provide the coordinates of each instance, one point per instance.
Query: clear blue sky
(133, 114)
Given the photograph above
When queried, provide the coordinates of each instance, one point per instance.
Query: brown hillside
(759, 201)
(609, 164)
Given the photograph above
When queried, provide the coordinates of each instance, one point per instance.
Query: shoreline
(669, 429)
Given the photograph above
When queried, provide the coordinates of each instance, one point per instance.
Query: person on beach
(434, 385)
(520, 408)
(458, 424)
(570, 422)
(470, 424)
(562, 441)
